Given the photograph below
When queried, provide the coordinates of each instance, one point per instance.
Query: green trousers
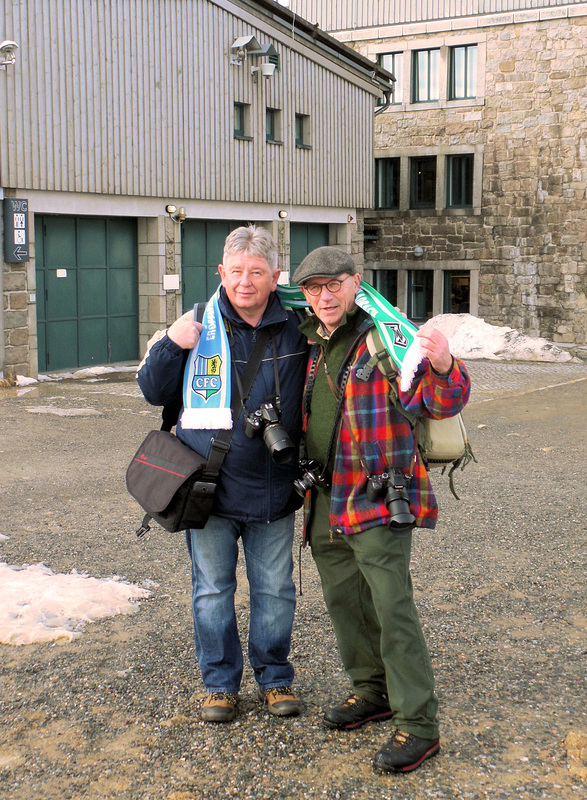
(367, 587)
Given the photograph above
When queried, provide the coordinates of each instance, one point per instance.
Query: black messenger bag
(166, 478)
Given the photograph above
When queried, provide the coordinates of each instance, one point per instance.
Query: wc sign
(16, 226)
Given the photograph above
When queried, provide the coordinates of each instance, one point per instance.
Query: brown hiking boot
(281, 701)
(219, 707)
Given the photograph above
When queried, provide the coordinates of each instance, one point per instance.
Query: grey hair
(254, 241)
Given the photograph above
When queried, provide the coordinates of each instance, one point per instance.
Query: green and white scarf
(207, 389)
(396, 331)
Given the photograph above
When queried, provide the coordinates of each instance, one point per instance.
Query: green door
(202, 243)
(303, 238)
(87, 303)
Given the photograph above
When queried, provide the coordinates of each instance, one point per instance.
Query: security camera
(7, 56)
(7, 47)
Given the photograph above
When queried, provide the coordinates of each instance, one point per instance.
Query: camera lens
(303, 484)
(278, 443)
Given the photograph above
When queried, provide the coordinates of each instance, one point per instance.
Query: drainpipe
(2, 334)
(388, 96)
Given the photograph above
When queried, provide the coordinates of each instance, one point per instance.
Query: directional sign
(16, 230)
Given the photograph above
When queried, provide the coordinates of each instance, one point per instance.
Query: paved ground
(500, 587)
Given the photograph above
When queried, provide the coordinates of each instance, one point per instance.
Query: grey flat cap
(324, 262)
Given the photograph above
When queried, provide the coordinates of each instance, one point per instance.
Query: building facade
(480, 159)
(137, 134)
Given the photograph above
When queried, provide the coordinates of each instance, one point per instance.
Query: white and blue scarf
(207, 390)
(206, 382)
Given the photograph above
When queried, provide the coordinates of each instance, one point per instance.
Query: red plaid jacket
(384, 439)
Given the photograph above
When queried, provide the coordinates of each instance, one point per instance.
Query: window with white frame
(425, 75)
(462, 76)
(393, 63)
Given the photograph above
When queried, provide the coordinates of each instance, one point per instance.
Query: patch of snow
(87, 372)
(91, 371)
(65, 412)
(472, 337)
(39, 605)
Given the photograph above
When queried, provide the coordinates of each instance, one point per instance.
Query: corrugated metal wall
(335, 15)
(135, 97)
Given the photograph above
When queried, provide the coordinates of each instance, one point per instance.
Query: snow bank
(39, 605)
(471, 337)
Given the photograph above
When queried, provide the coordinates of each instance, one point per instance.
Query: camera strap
(245, 382)
(318, 357)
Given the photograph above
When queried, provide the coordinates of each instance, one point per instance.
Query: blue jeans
(269, 565)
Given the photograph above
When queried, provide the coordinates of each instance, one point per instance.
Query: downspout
(2, 333)
(388, 95)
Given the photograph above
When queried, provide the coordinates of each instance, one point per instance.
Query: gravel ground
(500, 588)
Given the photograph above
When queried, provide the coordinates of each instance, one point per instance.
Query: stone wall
(529, 233)
(20, 323)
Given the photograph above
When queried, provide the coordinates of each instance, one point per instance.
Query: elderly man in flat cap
(353, 436)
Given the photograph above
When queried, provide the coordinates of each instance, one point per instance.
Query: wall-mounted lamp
(176, 214)
(266, 69)
(282, 214)
(7, 53)
(418, 251)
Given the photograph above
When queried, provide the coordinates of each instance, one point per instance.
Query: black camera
(393, 488)
(267, 421)
(312, 477)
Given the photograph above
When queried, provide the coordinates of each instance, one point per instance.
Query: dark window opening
(423, 182)
(241, 118)
(302, 130)
(387, 182)
(456, 292)
(420, 289)
(272, 126)
(459, 181)
(385, 281)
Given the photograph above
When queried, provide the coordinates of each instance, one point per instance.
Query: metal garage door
(303, 239)
(202, 243)
(87, 291)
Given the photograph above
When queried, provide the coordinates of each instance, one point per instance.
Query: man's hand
(434, 346)
(185, 332)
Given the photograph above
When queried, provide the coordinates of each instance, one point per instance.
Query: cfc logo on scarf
(207, 380)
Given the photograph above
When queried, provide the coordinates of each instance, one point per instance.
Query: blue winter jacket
(251, 486)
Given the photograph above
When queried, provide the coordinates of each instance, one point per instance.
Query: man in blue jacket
(254, 499)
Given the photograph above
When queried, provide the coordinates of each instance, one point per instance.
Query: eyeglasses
(333, 286)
